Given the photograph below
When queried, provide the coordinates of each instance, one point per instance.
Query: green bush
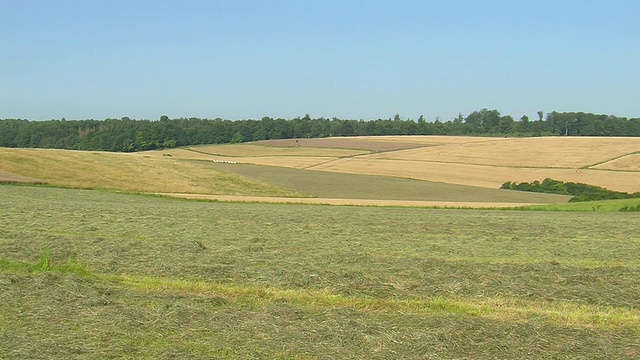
(580, 191)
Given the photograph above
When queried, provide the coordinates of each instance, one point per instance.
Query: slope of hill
(128, 172)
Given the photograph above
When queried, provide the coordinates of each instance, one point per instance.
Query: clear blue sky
(242, 59)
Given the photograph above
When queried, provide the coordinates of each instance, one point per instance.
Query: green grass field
(96, 274)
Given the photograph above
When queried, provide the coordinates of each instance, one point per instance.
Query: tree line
(580, 191)
(127, 135)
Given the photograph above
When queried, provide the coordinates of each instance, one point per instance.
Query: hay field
(89, 274)
(128, 172)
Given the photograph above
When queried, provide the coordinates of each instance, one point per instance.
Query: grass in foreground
(96, 274)
(600, 206)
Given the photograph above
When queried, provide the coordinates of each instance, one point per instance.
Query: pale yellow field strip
(479, 175)
(297, 162)
(625, 163)
(360, 202)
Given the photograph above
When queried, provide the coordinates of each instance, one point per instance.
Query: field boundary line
(354, 202)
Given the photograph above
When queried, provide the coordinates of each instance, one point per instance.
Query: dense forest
(134, 135)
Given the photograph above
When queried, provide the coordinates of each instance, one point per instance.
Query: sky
(351, 59)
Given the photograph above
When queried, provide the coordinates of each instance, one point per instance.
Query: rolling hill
(400, 168)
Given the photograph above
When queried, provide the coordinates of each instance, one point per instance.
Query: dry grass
(128, 172)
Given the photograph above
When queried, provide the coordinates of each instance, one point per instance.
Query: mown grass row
(495, 308)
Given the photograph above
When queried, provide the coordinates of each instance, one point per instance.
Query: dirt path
(361, 202)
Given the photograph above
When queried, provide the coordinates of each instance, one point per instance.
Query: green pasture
(95, 274)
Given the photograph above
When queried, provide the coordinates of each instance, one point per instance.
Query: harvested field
(545, 152)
